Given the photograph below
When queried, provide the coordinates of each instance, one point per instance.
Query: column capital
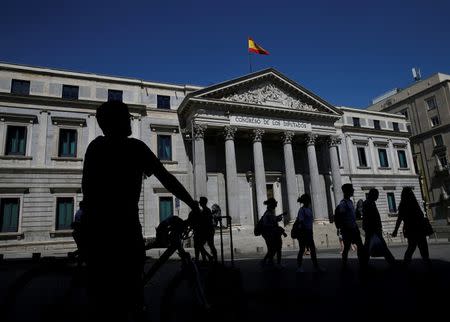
(257, 135)
(229, 132)
(334, 140)
(311, 138)
(287, 137)
(199, 131)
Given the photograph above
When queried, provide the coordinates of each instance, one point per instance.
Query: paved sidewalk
(267, 294)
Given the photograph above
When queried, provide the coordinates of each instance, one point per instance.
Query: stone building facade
(236, 142)
(425, 104)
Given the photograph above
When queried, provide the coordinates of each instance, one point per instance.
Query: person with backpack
(305, 238)
(271, 232)
(345, 220)
(374, 242)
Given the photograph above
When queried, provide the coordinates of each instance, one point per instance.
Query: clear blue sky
(347, 52)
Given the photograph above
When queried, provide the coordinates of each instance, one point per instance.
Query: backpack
(337, 218)
(259, 227)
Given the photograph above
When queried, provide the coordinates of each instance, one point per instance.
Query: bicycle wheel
(47, 293)
(180, 300)
(221, 287)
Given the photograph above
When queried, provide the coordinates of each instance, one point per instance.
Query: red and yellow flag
(254, 48)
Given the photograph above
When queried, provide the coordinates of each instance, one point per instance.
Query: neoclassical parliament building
(237, 142)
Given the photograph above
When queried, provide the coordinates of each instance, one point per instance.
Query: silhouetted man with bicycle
(114, 166)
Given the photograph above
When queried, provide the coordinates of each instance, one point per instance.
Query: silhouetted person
(197, 222)
(359, 211)
(373, 227)
(272, 233)
(345, 220)
(76, 234)
(305, 220)
(413, 226)
(208, 230)
(114, 167)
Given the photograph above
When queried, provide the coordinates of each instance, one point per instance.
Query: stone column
(409, 157)
(41, 152)
(289, 173)
(393, 164)
(136, 127)
(199, 160)
(333, 143)
(231, 175)
(317, 199)
(373, 156)
(92, 127)
(353, 164)
(260, 173)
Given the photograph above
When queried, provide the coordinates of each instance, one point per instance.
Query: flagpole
(250, 62)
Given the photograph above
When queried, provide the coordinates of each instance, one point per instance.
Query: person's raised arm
(169, 181)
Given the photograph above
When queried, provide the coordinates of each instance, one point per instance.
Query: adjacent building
(237, 142)
(425, 104)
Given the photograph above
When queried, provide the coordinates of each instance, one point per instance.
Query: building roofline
(439, 77)
(364, 111)
(93, 76)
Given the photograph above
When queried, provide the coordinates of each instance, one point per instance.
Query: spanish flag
(254, 48)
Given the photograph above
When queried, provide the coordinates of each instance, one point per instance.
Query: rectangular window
(431, 103)
(356, 122)
(376, 124)
(438, 140)
(435, 121)
(165, 208)
(67, 143)
(70, 92)
(165, 147)
(443, 160)
(382, 155)
(163, 102)
(391, 202)
(64, 213)
(402, 159)
(20, 87)
(16, 140)
(9, 216)
(114, 95)
(395, 126)
(362, 157)
(405, 113)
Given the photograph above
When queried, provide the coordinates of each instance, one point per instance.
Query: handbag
(295, 232)
(427, 228)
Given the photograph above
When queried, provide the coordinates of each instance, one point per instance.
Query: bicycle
(69, 285)
(210, 293)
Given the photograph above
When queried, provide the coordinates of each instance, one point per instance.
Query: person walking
(272, 233)
(345, 221)
(305, 221)
(208, 228)
(374, 241)
(414, 228)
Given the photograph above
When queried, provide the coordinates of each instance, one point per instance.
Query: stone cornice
(366, 130)
(59, 102)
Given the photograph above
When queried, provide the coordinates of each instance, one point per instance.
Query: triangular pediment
(267, 88)
(269, 94)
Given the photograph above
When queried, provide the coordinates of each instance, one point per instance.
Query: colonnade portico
(257, 135)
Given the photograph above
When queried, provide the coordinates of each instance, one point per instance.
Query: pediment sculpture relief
(268, 94)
